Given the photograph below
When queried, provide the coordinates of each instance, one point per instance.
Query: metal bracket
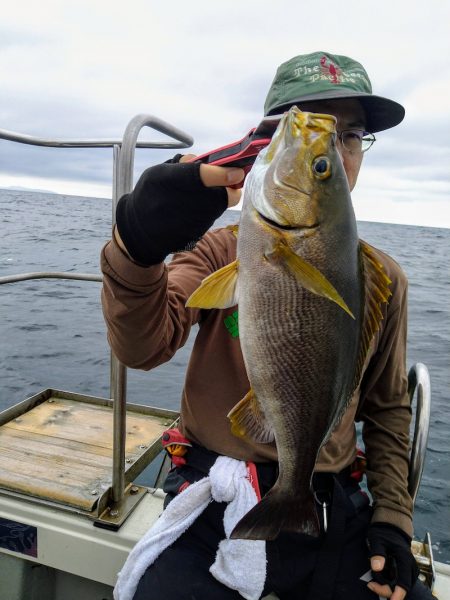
(116, 513)
(423, 553)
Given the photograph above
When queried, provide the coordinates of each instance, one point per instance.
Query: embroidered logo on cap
(330, 69)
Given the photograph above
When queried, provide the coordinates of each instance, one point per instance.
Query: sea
(52, 333)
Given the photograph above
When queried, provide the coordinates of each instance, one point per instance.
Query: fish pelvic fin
(218, 290)
(233, 228)
(275, 514)
(308, 276)
(248, 420)
(376, 293)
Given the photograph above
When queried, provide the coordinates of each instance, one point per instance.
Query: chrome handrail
(50, 275)
(184, 140)
(123, 163)
(419, 380)
(123, 184)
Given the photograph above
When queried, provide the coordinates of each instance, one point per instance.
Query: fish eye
(321, 167)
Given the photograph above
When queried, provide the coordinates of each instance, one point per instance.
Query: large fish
(309, 295)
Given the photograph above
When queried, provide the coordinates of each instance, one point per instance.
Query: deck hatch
(58, 446)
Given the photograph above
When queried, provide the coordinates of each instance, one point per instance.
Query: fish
(309, 296)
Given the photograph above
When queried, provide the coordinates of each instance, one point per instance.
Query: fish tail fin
(275, 514)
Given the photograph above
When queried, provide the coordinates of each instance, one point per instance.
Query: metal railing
(50, 275)
(419, 381)
(123, 164)
(148, 120)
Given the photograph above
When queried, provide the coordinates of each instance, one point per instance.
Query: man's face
(350, 115)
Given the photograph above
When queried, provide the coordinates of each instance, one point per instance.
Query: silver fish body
(300, 349)
(309, 295)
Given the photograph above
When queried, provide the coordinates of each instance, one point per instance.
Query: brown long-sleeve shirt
(148, 322)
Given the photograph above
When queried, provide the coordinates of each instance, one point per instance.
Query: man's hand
(393, 565)
(377, 564)
(172, 207)
(212, 175)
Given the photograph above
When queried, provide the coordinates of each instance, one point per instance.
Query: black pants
(181, 572)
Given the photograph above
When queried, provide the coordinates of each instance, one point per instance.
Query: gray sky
(78, 69)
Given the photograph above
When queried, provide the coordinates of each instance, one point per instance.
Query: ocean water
(53, 335)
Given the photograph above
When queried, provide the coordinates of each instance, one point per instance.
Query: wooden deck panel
(66, 419)
(61, 450)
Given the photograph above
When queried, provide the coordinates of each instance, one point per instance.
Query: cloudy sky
(83, 69)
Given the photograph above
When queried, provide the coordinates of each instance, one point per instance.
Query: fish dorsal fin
(376, 293)
(307, 275)
(248, 420)
(218, 290)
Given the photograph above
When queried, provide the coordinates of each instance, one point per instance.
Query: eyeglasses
(356, 140)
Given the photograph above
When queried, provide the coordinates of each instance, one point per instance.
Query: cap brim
(381, 113)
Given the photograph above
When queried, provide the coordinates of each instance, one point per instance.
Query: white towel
(239, 564)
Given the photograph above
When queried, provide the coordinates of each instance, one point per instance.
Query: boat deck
(58, 447)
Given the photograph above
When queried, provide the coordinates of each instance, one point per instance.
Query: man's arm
(144, 307)
(386, 413)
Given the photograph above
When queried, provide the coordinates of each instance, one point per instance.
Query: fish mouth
(276, 225)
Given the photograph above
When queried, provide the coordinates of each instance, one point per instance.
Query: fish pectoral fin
(248, 420)
(308, 276)
(376, 293)
(218, 290)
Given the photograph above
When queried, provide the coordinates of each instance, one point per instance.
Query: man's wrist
(123, 248)
(398, 518)
(390, 527)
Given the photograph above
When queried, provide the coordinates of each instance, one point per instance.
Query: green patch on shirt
(231, 323)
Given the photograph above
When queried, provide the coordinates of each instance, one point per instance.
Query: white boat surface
(70, 511)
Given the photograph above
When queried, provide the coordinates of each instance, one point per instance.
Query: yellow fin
(218, 290)
(310, 277)
(234, 228)
(248, 420)
(376, 293)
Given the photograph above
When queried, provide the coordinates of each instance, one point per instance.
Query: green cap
(324, 76)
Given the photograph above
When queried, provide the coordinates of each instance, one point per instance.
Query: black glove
(168, 211)
(394, 544)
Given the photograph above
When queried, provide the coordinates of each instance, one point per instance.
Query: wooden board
(61, 450)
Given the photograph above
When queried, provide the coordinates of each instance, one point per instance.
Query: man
(170, 210)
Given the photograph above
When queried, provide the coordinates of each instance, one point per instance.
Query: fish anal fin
(308, 276)
(376, 293)
(218, 290)
(248, 420)
(275, 514)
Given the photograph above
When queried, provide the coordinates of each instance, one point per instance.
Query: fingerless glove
(168, 211)
(394, 544)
